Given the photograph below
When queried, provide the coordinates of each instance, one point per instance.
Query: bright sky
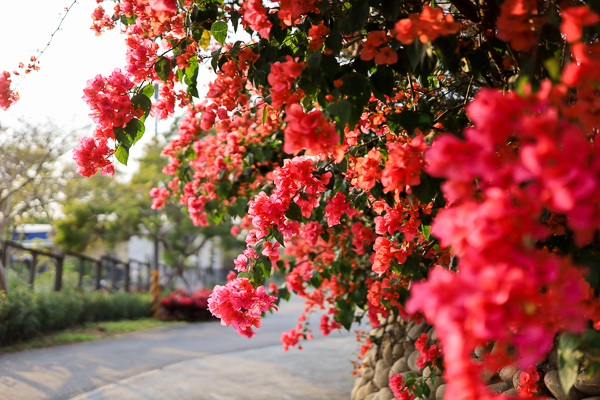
(74, 56)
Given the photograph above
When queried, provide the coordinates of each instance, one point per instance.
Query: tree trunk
(180, 273)
(3, 282)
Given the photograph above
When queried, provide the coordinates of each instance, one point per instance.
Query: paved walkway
(191, 361)
(317, 372)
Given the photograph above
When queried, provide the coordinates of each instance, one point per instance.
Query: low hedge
(25, 314)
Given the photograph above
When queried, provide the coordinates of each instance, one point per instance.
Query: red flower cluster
(528, 382)
(373, 48)
(92, 154)
(291, 338)
(429, 25)
(399, 388)
(239, 304)
(574, 19)
(160, 195)
(282, 77)
(429, 354)
(404, 165)
(508, 290)
(292, 10)
(309, 131)
(254, 15)
(109, 100)
(318, 34)
(268, 211)
(518, 23)
(179, 305)
(7, 96)
(101, 21)
(336, 207)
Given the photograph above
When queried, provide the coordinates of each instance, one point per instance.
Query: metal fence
(37, 266)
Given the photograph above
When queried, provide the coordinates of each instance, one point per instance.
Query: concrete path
(192, 361)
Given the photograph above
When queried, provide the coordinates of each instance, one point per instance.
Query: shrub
(180, 306)
(25, 314)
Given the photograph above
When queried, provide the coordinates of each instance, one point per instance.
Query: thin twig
(50, 41)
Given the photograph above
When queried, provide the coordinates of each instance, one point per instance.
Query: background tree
(94, 214)
(31, 175)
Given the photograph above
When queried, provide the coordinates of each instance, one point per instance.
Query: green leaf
(568, 360)
(340, 111)
(294, 212)
(345, 314)
(148, 91)
(277, 235)
(219, 31)
(215, 58)
(314, 60)
(334, 42)
(258, 275)
(234, 17)
(122, 154)
(383, 81)
(356, 17)
(283, 293)
(142, 101)
(131, 133)
(265, 265)
(428, 188)
(163, 68)
(191, 78)
(426, 231)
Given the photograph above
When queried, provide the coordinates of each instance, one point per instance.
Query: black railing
(116, 271)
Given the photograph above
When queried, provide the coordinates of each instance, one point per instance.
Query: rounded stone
(377, 332)
(507, 373)
(417, 330)
(409, 347)
(479, 352)
(395, 331)
(499, 387)
(397, 351)
(511, 393)
(553, 358)
(387, 354)
(367, 373)
(552, 382)
(384, 394)
(368, 389)
(589, 385)
(399, 366)
(411, 361)
(427, 372)
(371, 396)
(382, 371)
(439, 393)
(372, 359)
(359, 383)
(433, 388)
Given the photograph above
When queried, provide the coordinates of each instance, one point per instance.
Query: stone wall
(396, 354)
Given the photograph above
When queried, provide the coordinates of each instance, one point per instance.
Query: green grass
(85, 333)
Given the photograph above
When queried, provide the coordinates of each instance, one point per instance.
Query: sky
(74, 56)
